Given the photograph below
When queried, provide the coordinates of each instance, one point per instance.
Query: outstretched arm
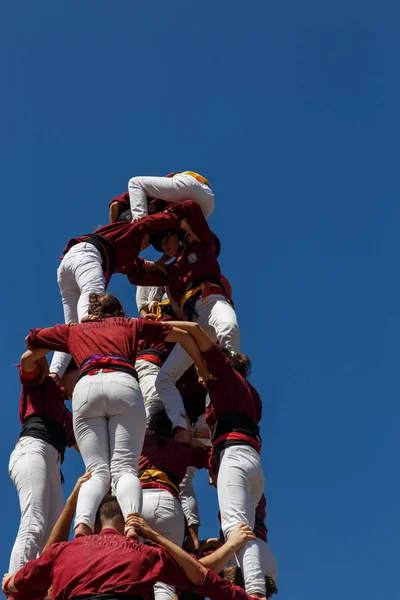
(188, 342)
(220, 558)
(203, 341)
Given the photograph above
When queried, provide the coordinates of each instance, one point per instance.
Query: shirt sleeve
(52, 338)
(216, 588)
(29, 380)
(191, 211)
(159, 222)
(218, 364)
(140, 274)
(199, 457)
(123, 199)
(35, 576)
(152, 330)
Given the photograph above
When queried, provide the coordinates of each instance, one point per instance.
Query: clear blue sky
(291, 109)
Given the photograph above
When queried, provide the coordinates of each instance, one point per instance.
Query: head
(109, 515)
(102, 306)
(168, 242)
(161, 425)
(240, 362)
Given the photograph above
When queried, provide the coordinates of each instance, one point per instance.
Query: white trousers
(146, 295)
(109, 426)
(172, 189)
(268, 561)
(35, 471)
(218, 318)
(147, 373)
(188, 494)
(163, 512)
(240, 485)
(79, 274)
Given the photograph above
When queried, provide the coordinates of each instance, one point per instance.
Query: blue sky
(290, 109)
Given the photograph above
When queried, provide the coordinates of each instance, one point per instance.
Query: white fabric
(240, 485)
(172, 189)
(188, 494)
(79, 274)
(147, 373)
(218, 318)
(109, 426)
(268, 561)
(146, 295)
(35, 471)
(163, 512)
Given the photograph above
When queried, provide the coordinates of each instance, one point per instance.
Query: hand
(210, 544)
(240, 536)
(193, 540)
(189, 231)
(75, 492)
(6, 580)
(140, 525)
(205, 375)
(150, 317)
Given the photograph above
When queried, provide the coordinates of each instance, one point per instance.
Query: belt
(107, 363)
(152, 355)
(204, 289)
(199, 178)
(153, 475)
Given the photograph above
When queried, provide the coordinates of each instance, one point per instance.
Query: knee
(229, 336)
(134, 182)
(102, 474)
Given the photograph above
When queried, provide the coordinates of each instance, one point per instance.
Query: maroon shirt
(196, 261)
(98, 564)
(115, 336)
(161, 345)
(172, 458)
(44, 400)
(127, 237)
(260, 528)
(231, 393)
(216, 588)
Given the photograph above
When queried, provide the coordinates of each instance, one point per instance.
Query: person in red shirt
(194, 282)
(175, 187)
(162, 467)
(36, 459)
(233, 411)
(109, 415)
(90, 260)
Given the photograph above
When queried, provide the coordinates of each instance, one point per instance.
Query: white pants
(172, 189)
(163, 512)
(109, 426)
(35, 471)
(188, 494)
(79, 274)
(146, 295)
(147, 373)
(218, 318)
(240, 485)
(268, 561)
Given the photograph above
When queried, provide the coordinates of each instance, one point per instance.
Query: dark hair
(161, 425)
(217, 244)
(102, 306)
(109, 510)
(240, 362)
(157, 238)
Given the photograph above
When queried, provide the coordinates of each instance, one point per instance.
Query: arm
(220, 558)
(144, 273)
(198, 334)
(187, 342)
(192, 212)
(50, 338)
(114, 211)
(35, 576)
(60, 531)
(32, 360)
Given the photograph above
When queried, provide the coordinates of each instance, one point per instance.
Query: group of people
(154, 399)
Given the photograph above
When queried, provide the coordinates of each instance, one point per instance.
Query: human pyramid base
(154, 399)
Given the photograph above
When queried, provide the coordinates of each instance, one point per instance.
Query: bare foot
(82, 530)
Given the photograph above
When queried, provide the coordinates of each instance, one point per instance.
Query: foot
(82, 530)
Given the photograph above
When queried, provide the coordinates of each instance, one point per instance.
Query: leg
(188, 496)
(220, 315)
(29, 472)
(147, 373)
(89, 277)
(164, 514)
(127, 428)
(91, 432)
(173, 368)
(239, 482)
(56, 502)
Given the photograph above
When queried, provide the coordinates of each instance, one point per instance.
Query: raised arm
(220, 558)
(203, 341)
(192, 212)
(49, 338)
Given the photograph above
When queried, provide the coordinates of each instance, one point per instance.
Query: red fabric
(127, 237)
(260, 529)
(115, 336)
(216, 588)
(163, 346)
(123, 200)
(227, 287)
(173, 458)
(197, 260)
(231, 392)
(238, 437)
(45, 400)
(98, 564)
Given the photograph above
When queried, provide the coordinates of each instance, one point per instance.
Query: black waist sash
(91, 364)
(109, 596)
(47, 430)
(159, 353)
(106, 249)
(237, 422)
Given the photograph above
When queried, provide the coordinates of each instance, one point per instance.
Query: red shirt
(127, 237)
(44, 400)
(163, 346)
(115, 336)
(98, 564)
(216, 588)
(231, 393)
(172, 458)
(260, 528)
(196, 261)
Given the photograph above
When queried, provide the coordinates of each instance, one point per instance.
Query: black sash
(47, 430)
(109, 596)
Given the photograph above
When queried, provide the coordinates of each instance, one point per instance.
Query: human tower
(154, 399)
